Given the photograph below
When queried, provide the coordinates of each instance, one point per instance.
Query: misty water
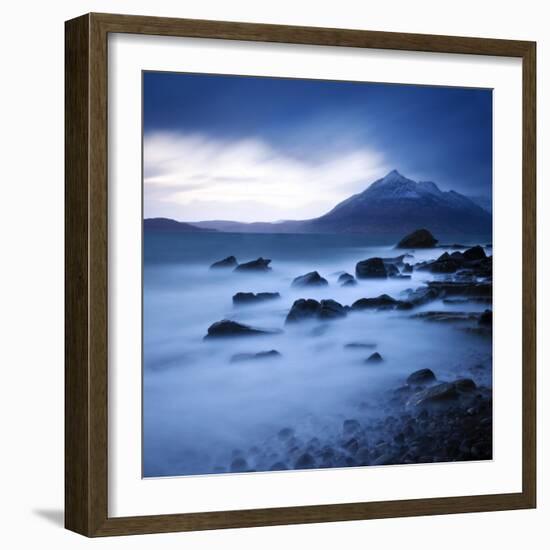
(200, 409)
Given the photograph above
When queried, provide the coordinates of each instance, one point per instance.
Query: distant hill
(166, 224)
(387, 209)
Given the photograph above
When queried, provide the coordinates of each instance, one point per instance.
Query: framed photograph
(300, 275)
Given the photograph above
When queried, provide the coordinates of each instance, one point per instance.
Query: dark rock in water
(453, 288)
(345, 277)
(420, 238)
(230, 261)
(381, 302)
(474, 253)
(421, 296)
(331, 309)
(374, 358)
(350, 282)
(271, 354)
(397, 260)
(226, 329)
(310, 279)
(260, 264)
(407, 268)
(391, 270)
(360, 345)
(486, 318)
(446, 316)
(422, 376)
(304, 461)
(303, 309)
(351, 426)
(246, 298)
(436, 394)
(373, 268)
(239, 465)
(465, 385)
(278, 466)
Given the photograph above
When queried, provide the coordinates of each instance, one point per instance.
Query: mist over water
(200, 409)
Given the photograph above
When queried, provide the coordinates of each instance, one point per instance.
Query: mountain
(484, 201)
(166, 224)
(389, 208)
(395, 205)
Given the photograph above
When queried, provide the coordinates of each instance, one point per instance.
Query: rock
(239, 465)
(391, 270)
(420, 377)
(373, 268)
(381, 302)
(421, 296)
(345, 277)
(359, 345)
(421, 238)
(331, 309)
(474, 253)
(453, 288)
(465, 385)
(397, 260)
(407, 268)
(247, 298)
(351, 282)
(310, 279)
(486, 318)
(240, 357)
(440, 393)
(303, 309)
(226, 329)
(374, 358)
(260, 264)
(230, 261)
(304, 461)
(446, 316)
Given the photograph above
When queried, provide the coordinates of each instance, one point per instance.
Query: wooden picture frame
(86, 283)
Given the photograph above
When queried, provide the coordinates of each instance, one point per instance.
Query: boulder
(303, 309)
(374, 358)
(458, 288)
(351, 282)
(441, 393)
(229, 329)
(392, 270)
(421, 377)
(373, 268)
(345, 277)
(465, 385)
(260, 264)
(381, 302)
(246, 298)
(240, 357)
(310, 279)
(421, 238)
(331, 309)
(474, 253)
(230, 261)
(407, 268)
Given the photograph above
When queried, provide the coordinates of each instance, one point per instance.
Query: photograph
(316, 274)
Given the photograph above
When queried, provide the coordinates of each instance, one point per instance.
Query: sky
(249, 149)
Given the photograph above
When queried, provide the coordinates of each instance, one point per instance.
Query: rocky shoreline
(424, 419)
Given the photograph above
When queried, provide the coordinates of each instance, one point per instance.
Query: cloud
(194, 177)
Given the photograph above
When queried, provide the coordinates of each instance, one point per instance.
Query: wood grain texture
(86, 257)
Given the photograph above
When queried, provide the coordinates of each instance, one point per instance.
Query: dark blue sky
(428, 133)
